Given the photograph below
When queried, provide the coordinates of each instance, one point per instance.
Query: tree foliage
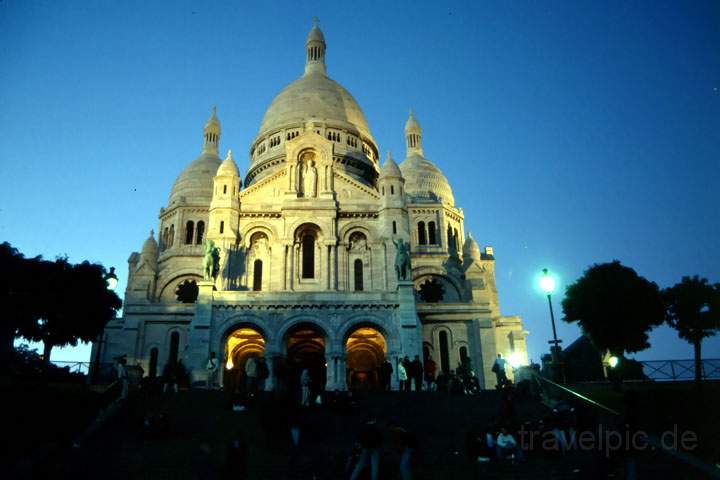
(693, 309)
(54, 302)
(615, 307)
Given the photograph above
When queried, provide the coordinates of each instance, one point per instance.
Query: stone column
(271, 357)
(330, 372)
(341, 362)
(333, 267)
(410, 327)
(199, 335)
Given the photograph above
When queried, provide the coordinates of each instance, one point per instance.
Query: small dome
(412, 125)
(390, 169)
(315, 35)
(228, 168)
(150, 246)
(471, 248)
(424, 180)
(213, 123)
(195, 183)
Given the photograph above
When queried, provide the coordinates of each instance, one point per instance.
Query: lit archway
(305, 348)
(241, 344)
(366, 350)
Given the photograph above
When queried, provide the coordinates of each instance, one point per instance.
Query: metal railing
(550, 391)
(680, 370)
(82, 368)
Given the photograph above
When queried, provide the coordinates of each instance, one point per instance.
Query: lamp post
(547, 283)
(111, 281)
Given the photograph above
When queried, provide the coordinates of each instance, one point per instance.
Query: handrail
(652, 440)
(579, 395)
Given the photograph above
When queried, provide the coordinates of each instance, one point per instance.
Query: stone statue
(310, 179)
(402, 259)
(211, 261)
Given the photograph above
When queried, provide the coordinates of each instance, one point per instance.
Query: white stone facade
(306, 245)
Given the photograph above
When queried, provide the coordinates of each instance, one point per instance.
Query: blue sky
(571, 132)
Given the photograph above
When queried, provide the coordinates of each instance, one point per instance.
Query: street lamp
(548, 284)
(111, 280)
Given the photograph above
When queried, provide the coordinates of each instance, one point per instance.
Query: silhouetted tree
(693, 309)
(18, 289)
(615, 307)
(57, 303)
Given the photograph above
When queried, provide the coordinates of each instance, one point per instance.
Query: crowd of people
(381, 444)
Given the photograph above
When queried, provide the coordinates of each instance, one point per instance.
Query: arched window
(224, 189)
(174, 347)
(383, 191)
(392, 190)
(189, 232)
(456, 238)
(394, 227)
(257, 275)
(308, 256)
(222, 226)
(422, 238)
(449, 236)
(171, 239)
(200, 232)
(444, 352)
(431, 233)
(463, 355)
(152, 371)
(358, 270)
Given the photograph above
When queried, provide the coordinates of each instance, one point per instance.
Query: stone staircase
(125, 450)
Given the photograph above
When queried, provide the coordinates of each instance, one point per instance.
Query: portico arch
(366, 350)
(242, 342)
(304, 344)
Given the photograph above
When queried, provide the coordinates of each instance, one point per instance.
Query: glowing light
(613, 361)
(547, 282)
(112, 283)
(229, 364)
(111, 280)
(515, 359)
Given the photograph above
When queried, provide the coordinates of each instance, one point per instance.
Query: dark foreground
(171, 447)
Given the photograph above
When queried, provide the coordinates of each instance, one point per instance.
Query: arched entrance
(366, 350)
(241, 344)
(305, 348)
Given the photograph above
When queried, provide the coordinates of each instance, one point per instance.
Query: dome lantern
(413, 135)
(315, 47)
(212, 133)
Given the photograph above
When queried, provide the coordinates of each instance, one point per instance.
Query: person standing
(212, 366)
(417, 373)
(305, 382)
(122, 375)
(430, 371)
(370, 440)
(170, 377)
(251, 375)
(386, 372)
(408, 372)
(498, 369)
(402, 376)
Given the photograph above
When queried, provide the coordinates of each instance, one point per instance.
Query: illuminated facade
(307, 244)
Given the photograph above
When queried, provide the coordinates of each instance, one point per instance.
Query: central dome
(315, 102)
(315, 96)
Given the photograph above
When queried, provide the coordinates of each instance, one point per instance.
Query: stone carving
(211, 261)
(402, 259)
(309, 183)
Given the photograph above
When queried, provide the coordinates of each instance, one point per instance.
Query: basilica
(322, 256)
